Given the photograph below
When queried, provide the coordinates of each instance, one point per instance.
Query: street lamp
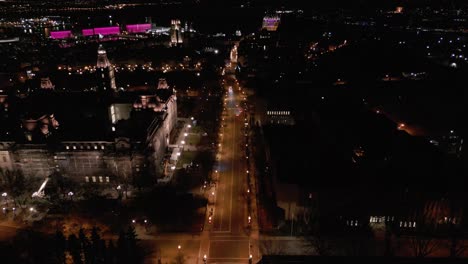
(179, 247)
(4, 195)
(250, 258)
(204, 258)
(70, 194)
(133, 221)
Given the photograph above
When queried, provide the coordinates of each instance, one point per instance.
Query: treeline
(86, 247)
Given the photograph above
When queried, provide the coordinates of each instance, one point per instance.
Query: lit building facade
(271, 23)
(89, 137)
(104, 71)
(176, 33)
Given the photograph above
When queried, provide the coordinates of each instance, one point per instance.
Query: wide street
(229, 235)
(230, 239)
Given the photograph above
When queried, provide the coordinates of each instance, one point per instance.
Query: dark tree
(74, 248)
(59, 246)
(134, 253)
(85, 246)
(110, 253)
(97, 248)
(122, 249)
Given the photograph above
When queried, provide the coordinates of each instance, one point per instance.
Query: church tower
(104, 71)
(176, 34)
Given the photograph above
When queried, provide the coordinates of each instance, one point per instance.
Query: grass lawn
(193, 139)
(185, 158)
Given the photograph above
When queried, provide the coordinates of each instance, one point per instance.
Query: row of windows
(286, 121)
(278, 113)
(94, 179)
(74, 147)
(379, 219)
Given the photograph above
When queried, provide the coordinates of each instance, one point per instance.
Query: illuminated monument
(176, 34)
(271, 23)
(105, 71)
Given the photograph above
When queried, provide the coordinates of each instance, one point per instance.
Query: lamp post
(70, 194)
(4, 195)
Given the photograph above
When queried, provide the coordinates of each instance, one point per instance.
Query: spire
(105, 71)
(102, 60)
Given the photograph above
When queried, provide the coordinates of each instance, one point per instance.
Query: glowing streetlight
(179, 247)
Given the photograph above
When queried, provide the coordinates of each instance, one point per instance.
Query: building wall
(5, 160)
(99, 159)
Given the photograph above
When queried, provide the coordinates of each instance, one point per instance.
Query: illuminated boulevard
(231, 232)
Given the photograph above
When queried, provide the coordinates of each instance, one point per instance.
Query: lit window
(86, 179)
(100, 178)
(102, 147)
(94, 178)
(95, 147)
(107, 179)
(67, 147)
(74, 147)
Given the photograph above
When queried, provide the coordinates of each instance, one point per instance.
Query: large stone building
(87, 136)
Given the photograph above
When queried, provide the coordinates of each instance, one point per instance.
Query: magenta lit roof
(107, 30)
(88, 32)
(137, 28)
(60, 34)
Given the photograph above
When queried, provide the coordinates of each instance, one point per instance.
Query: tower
(104, 71)
(46, 84)
(176, 34)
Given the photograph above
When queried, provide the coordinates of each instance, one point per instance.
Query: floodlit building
(271, 23)
(105, 71)
(176, 34)
(87, 137)
(47, 84)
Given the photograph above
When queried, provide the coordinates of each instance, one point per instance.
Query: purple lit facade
(107, 31)
(271, 23)
(61, 34)
(138, 28)
(87, 32)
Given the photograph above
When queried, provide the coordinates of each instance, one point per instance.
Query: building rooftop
(50, 116)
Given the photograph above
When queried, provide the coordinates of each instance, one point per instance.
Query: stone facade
(107, 161)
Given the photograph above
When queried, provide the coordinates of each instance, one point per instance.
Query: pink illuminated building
(138, 28)
(107, 31)
(61, 34)
(87, 32)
